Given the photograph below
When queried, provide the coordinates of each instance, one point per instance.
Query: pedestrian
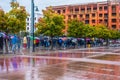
(25, 42)
(1, 43)
(14, 43)
(18, 43)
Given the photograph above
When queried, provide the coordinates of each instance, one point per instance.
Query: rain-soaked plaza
(74, 64)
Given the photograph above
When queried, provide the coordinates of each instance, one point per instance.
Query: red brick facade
(107, 13)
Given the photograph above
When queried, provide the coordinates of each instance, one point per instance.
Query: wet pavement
(76, 64)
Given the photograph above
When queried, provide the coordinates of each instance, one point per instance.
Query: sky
(42, 4)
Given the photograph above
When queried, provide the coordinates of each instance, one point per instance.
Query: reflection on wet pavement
(26, 68)
(56, 67)
(97, 50)
(67, 54)
(111, 57)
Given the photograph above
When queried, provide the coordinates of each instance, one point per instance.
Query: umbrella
(3, 34)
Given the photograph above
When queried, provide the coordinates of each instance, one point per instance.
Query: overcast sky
(42, 4)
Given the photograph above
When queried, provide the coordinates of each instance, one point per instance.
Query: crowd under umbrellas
(8, 43)
(16, 43)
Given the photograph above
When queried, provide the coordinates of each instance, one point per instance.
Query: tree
(52, 24)
(75, 28)
(3, 21)
(102, 32)
(16, 18)
(89, 31)
(115, 34)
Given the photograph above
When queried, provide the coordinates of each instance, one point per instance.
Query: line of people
(62, 42)
(15, 43)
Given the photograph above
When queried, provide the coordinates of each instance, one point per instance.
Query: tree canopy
(75, 28)
(15, 20)
(79, 29)
(3, 21)
(52, 24)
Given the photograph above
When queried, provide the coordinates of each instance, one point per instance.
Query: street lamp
(32, 24)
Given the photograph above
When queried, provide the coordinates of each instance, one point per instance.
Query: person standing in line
(18, 43)
(1, 43)
(25, 42)
(14, 43)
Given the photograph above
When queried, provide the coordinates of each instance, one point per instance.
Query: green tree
(16, 18)
(115, 34)
(102, 32)
(75, 28)
(52, 24)
(89, 31)
(3, 21)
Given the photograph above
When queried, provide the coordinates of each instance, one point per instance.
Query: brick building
(106, 12)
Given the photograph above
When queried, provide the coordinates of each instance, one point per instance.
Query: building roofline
(80, 4)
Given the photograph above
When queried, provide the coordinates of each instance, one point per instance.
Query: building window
(82, 9)
(94, 8)
(113, 26)
(88, 9)
(113, 14)
(113, 8)
(100, 8)
(74, 16)
(76, 10)
(69, 16)
(93, 21)
(81, 15)
(27, 19)
(87, 15)
(64, 11)
(113, 20)
(93, 15)
(106, 21)
(58, 11)
(105, 8)
(100, 15)
(105, 15)
(27, 28)
(86, 21)
(100, 21)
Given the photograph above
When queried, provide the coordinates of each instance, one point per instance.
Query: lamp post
(32, 24)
